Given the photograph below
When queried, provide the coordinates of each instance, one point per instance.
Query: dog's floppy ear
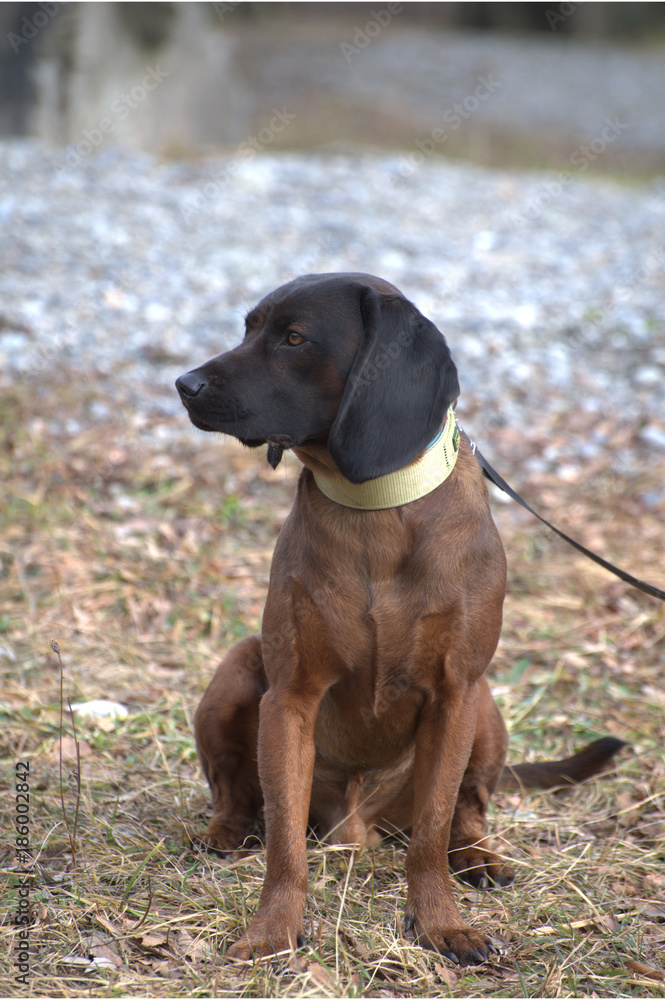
(401, 384)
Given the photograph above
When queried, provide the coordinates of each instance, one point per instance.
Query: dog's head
(343, 360)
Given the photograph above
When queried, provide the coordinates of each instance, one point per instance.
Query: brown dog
(363, 707)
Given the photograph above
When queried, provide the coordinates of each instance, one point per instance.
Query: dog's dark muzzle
(212, 410)
(189, 385)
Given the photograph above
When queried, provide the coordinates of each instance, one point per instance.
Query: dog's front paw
(479, 867)
(462, 945)
(267, 937)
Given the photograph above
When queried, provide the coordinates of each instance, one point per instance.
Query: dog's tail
(558, 773)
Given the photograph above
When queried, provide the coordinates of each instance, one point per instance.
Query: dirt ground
(144, 569)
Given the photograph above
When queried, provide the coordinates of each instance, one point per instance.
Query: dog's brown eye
(294, 339)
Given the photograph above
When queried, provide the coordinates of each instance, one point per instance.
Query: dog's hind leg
(226, 726)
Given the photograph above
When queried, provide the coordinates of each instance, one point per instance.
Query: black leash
(495, 478)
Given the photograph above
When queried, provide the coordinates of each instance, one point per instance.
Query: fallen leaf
(191, 947)
(322, 976)
(645, 970)
(150, 941)
(68, 744)
(449, 976)
(168, 969)
(104, 952)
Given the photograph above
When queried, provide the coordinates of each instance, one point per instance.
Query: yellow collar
(405, 485)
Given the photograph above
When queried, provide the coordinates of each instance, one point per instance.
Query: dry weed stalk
(76, 773)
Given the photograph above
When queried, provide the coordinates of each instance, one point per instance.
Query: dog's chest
(367, 725)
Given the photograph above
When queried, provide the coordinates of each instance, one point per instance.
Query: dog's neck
(415, 480)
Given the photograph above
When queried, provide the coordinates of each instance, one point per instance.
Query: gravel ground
(125, 270)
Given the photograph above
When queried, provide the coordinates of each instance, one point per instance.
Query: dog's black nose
(189, 384)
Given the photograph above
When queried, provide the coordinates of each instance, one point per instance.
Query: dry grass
(144, 563)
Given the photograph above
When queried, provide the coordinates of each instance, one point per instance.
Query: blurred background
(376, 75)
(163, 164)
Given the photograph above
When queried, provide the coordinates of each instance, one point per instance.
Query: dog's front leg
(286, 765)
(443, 745)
